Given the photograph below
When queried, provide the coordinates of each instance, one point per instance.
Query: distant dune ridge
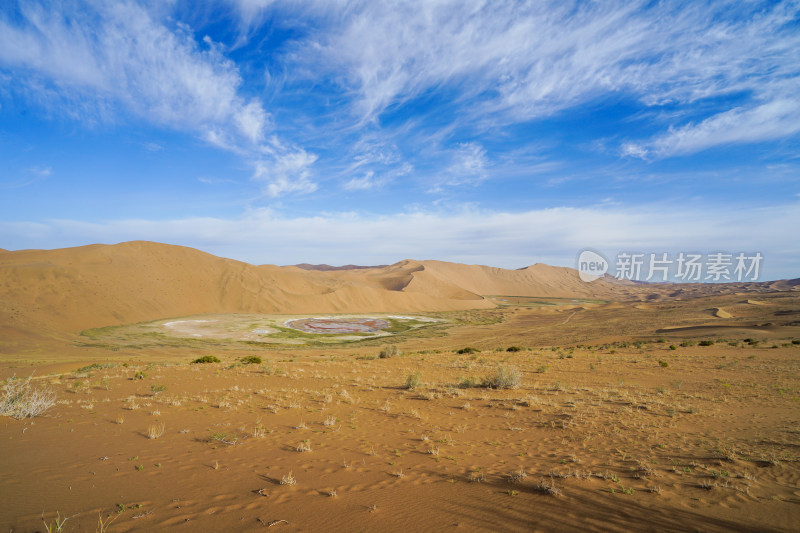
(325, 268)
(70, 289)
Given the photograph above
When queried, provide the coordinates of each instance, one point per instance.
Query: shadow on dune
(584, 509)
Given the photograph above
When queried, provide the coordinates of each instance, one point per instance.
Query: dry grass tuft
(547, 487)
(506, 377)
(19, 400)
(155, 430)
(477, 477)
(56, 525)
(519, 475)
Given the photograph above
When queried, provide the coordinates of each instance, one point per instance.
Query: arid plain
(475, 399)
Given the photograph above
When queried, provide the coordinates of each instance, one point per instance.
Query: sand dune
(92, 286)
(721, 313)
(617, 416)
(324, 267)
(44, 292)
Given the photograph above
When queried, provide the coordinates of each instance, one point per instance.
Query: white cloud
(367, 181)
(468, 165)
(772, 120)
(42, 172)
(510, 240)
(251, 13)
(100, 60)
(32, 175)
(287, 172)
(508, 62)
(630, 149)
(152, 147)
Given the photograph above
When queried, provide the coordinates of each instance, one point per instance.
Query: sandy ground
(638, 407)
(609, 429)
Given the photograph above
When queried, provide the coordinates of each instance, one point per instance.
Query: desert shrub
(468, 349)
(206, 359)
(795, 341)
(673, 347)
(157, 389)
(513, 349)
(506, 377)
(687, 343)
(251, 360)
(19, 400)
(139, 375)
(413, 381)
(94, 366)
(467, 383)
(663, 364)
(705, 343)
(389, 351)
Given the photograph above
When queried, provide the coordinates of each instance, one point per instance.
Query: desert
(399, 266)
(558, 406)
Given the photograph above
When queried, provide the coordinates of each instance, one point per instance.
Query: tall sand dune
(66, 290)
(91, 286)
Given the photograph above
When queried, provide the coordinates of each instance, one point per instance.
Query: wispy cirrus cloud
(287, 171)
(775, 119)
(117, 56)
(468, 165)
(99, 61)
(505, 62)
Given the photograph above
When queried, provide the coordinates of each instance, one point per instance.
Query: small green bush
(673, 347)
(705, 343)
(413, 381)
(514, 349)
(139, 375)
(251, 360)
(663, 364)
(795, 341)
(206, 359)
(94, 366)
(468, 349)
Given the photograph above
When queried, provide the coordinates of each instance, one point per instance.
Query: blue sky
(501, 133)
